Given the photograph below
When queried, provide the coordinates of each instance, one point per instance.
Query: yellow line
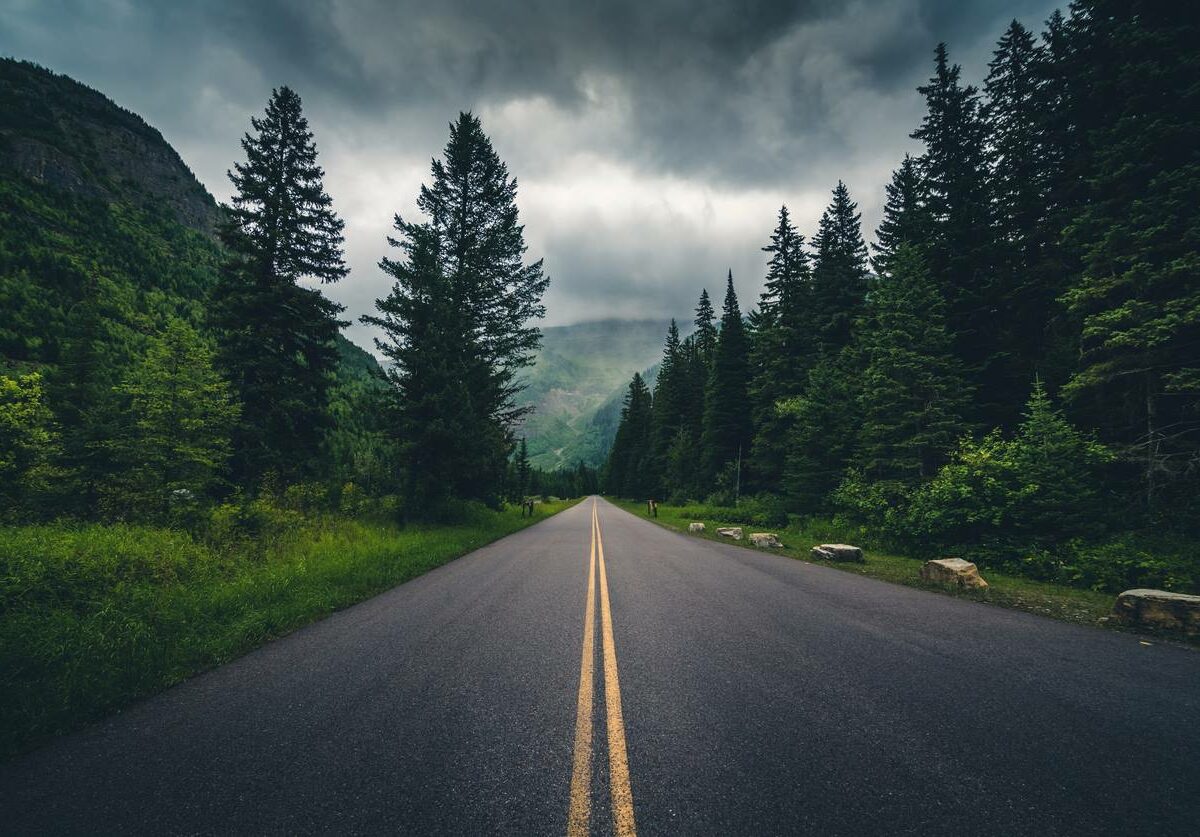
(618, 759)
(581, 773)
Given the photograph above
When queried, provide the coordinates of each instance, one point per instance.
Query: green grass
(1059, 601)
(93, 616)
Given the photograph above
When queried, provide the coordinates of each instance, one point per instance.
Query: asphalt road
(757, 695)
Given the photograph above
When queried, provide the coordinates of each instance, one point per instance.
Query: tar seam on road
(620, 792)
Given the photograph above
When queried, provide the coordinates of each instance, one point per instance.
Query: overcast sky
(653, 141)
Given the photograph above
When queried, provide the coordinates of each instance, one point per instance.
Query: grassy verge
(1070, 604)
(93, 616)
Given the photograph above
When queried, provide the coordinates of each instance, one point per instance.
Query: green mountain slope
(578, 371)
(91, 197)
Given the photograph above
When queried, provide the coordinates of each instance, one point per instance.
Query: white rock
(734, 532)
(838, 552)
(767, 540)
(953, 571)
(695, 527)
(1159, 609)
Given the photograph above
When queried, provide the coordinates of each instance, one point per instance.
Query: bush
(1018, 503)
(259, 520)
(878, 505)
(760, 510)
(1161, 561)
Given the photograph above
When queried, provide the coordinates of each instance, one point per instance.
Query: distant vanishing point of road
(597, 674)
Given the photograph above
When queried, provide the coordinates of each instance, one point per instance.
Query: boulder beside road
(838, 552)
(767, 540)
(1159, 609)
(695, 527)
(734, 532)
(954, 572)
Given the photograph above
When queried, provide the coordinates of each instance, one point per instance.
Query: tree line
(1015, 363)
(245, 394)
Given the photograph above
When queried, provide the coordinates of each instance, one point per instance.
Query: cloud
(654, 141)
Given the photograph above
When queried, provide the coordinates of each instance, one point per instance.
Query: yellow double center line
(579, 813)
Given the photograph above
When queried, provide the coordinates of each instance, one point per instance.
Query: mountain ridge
(578, 370)
(90, 191)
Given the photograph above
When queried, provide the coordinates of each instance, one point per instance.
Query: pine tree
(1028, 274)
(1139, 234)
(441, 444)
(1060, 469)
(726, 430)
(912, 394)
(457, 322)
(80, 390)
(905, 215)
(706, 332)
(781, 349)
(522, 470)
(472, 204)
(277, 337)
(961, 247)
(624, 472)
(173, 443)
(1015, 145)
(839, 274)
(670, 408)
(825, 423)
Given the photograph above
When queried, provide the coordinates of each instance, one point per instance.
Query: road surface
(716, 690)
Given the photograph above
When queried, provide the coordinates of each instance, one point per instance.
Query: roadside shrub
(1144, 559)
(761, 510)
(1017, 502)
(880, 505)
(306, 497)
(259, 520)
(767, 510)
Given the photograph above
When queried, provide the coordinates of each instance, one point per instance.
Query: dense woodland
(162, 372)
(1012, 371)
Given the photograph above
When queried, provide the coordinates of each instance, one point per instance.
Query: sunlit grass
(93, 616)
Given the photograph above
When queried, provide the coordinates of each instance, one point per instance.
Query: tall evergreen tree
(1139, 233)
(905, 215)
(706, 331)
(522, 470)
(80, 390)
(276, 335)
(839, 273)
(726, 431)
(1028, 274)
(624, 472)
(912, 396)
(441, 444)
(1015, 146)
(472, 204)
(782, 349)
(670, 408)
(457, 322)
(825, 423)
(961, 246)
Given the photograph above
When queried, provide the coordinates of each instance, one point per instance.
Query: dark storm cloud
(653, 140)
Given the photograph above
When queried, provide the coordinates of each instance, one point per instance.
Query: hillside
(579, 371)
(59, 133)
(93, 200)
